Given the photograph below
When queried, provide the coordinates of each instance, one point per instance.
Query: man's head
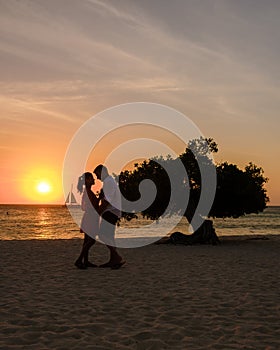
(101, 172)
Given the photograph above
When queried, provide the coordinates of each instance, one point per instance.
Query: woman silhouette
(90, 220)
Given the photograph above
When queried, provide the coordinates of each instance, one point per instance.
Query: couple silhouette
(100, 217)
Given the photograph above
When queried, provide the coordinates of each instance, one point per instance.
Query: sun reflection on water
(43, 223)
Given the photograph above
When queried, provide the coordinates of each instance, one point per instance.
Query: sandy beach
(165, 297)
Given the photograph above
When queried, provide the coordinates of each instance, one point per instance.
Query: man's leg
(107, 235)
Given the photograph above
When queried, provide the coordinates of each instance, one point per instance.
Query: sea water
(22, 222)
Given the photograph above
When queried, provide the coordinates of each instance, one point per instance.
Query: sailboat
(71, 200)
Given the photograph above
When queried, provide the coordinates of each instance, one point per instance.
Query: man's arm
(104, 204)
(109, 191)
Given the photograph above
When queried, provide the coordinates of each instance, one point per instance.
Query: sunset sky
(61, 62)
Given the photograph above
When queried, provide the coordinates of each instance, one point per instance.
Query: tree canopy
(238, 191)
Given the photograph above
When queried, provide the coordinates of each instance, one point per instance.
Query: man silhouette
(110, 211)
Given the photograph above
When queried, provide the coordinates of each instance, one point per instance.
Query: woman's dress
(90, 219)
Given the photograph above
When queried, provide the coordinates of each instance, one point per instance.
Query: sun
(41, 184)
(43, 187)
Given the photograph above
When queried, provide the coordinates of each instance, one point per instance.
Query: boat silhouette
(71, 200)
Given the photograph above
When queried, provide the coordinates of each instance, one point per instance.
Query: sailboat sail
(73, 199)
(70, 199)
(67, 199)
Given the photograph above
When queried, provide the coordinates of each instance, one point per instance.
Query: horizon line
(63, 204)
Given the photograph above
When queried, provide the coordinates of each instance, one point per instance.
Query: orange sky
(216, 62)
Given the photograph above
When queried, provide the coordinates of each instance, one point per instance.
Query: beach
(165, 297)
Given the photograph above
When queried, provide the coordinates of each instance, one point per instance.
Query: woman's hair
(82, 181)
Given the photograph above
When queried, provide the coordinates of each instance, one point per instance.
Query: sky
(61, 62)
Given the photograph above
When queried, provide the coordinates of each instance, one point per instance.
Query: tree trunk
(205, 234)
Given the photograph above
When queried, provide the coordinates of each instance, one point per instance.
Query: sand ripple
(166, 297)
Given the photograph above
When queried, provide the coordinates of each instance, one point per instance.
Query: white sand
(166, 297)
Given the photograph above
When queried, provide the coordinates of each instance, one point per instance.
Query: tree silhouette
(238, 192)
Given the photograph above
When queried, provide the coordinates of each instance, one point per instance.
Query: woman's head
(85, 180)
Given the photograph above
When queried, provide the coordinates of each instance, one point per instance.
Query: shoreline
(223, 238)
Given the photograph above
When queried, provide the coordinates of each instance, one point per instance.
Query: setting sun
(43, 187)
(41, 184)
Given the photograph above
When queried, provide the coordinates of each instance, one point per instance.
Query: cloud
(190, 53)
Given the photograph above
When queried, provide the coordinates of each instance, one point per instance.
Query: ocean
(24, 222)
